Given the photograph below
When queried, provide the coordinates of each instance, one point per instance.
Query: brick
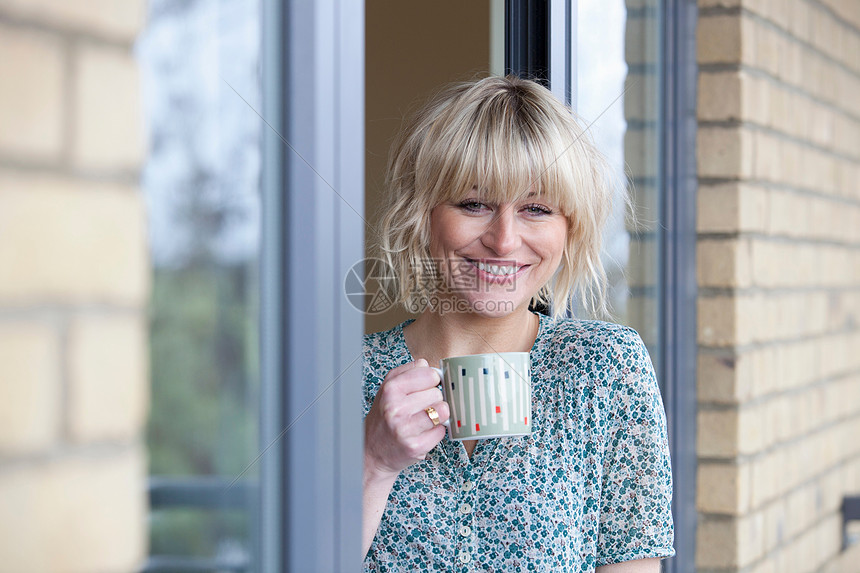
(723, 543)
(775, 524)
(104, 18)
(717, 433)
(748, 39)
(723, 263)
(830, 75)
(798, 22)
(719, 96)
(74, 515)
(718, 208)
(821, 27)
(780, 109)
(767, 156)
(757, 6)
(645, 220)
(31, 100)
(787, 214)
(777, 425)
(732, 207)
(30, 391)
(643, 270)
(724, 379)
(724, 152)
(723, 488)
(751, 432)
(766, 49)
(826, 541)
(830, 492)
(822, 125)
(794, 62)
(852, 46)
(844, 562)
(800, 510)
(717, 318)
(718, 39)
(729, 321)
(751, 533)
(755, 99)
(108, 361)
(765, 473)
(765, 371)
(108, 131)
(846, 135)
(641, 151)
(641, 314)
(716, 543)
(640, 45)
(641, 99)
(65, 240)
(766, 566)
(789, 173)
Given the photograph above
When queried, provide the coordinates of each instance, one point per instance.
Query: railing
(850, 512)
(203, 493)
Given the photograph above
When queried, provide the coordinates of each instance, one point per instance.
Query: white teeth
(498, 270)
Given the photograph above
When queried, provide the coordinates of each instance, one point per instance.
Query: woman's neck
(434, 336)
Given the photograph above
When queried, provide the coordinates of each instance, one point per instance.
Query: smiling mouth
(497, 270)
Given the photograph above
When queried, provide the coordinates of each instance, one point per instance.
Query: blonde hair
(507, 137)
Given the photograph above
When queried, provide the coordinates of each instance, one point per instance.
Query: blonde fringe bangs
(506, 137)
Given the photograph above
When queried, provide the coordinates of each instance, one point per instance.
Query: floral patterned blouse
(592, 485)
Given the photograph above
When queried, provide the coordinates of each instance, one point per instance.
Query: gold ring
(433, 414)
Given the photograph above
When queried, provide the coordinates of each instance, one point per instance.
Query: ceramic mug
(489, 395)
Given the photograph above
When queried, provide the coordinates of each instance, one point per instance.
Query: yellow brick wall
(74, 280)
(779, 277)
(642, 162)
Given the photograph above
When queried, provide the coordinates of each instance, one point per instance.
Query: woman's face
(495, 258)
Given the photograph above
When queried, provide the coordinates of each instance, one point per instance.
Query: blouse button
(465, 508)
(465, 531)
(467, 486)
(465, 557)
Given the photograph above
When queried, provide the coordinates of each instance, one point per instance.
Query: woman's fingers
(428, 440)
(404, 368)
(398, 429)
(412, 377)
(423, 418)
(420, 400)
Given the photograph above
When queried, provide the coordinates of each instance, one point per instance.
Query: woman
(497, 200)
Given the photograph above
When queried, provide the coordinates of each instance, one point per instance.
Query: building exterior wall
(74, 280)
(779, 277)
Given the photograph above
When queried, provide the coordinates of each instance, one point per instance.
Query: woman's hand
(397, 433)
(397, 430)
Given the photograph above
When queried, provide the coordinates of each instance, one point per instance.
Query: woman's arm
(376, 489)
(398, 433)
(637, 566)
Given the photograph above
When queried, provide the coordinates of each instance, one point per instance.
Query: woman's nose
(502, 235)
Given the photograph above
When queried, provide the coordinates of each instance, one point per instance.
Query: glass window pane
(617, 88)
(201, 182)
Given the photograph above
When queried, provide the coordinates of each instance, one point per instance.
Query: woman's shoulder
(385, 349)
(566, 335)
(610, 359)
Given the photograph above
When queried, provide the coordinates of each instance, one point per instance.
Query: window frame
(309, 511)
(534, 34)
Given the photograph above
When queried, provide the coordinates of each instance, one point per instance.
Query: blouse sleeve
(636, 496)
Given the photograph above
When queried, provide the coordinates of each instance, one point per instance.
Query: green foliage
(203, 418)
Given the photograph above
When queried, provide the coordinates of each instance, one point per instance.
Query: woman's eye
(537, 209)
(473, 206)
